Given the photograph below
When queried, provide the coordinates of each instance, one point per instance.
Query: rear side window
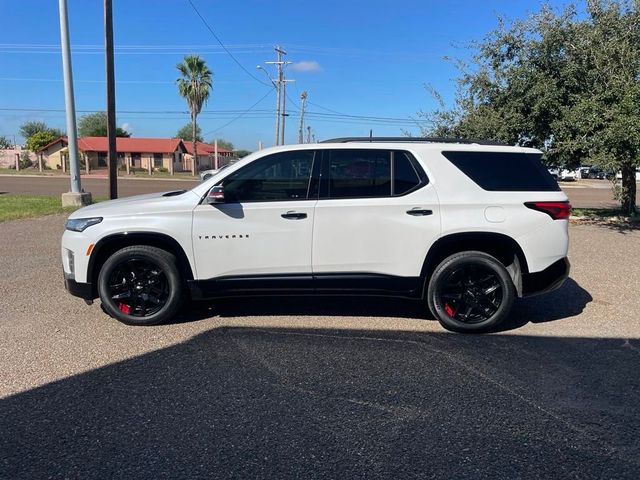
(352, 173)
(504, 171)
(359, 173)
(405, 177)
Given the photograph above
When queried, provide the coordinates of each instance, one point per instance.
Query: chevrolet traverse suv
(463, 226)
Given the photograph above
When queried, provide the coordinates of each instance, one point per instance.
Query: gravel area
(320, 388)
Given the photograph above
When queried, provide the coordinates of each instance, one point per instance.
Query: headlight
(81, 224)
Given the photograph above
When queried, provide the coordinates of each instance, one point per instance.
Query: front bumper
(78, 289)
(547, 280)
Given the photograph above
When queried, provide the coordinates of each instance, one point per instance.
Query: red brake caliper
(447, 308)
(124, 308)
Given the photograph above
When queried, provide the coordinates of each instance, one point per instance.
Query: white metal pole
(69, 101)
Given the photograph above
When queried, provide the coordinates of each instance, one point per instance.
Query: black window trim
(313, 178)
(323, 189)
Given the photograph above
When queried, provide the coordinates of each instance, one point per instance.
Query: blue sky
(363, 58)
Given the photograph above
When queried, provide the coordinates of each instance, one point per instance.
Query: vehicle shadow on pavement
(568, 301)
(317, 403)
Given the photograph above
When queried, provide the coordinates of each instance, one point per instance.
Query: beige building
(138, 153)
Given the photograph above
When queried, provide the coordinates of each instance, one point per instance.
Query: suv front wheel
(470, 292)
(140, 285)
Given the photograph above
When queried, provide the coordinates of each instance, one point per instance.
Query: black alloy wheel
(140, 285)
(470, 292)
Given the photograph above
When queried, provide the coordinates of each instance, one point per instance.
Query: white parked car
(464, 227)
(207, 174)
(564, 175)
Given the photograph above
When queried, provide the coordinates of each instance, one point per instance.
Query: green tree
(194, 86)
(185, 133)
(243, 153)
(564, 83)
(27, 129)
(39, 139)
(222, 143)
(4, 142)
(95, 125)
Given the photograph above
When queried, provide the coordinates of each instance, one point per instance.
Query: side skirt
(370, 284)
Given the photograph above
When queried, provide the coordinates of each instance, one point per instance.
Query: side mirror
(215, 195)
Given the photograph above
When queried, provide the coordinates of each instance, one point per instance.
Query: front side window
(278, 177)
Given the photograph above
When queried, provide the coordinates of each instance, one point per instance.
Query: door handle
(294, 215)
(419, 212)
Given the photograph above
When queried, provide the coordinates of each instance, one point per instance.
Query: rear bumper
(77, 289)
(547, 280)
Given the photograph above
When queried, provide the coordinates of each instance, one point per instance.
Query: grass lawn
(13, 207)
(30, 171)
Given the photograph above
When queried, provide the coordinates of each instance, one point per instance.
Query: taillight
(556, 210)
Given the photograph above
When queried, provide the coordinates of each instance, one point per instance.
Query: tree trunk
(194, 161)
(628, 197)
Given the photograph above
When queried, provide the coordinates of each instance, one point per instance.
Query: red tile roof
(124, 144)
(204, 148)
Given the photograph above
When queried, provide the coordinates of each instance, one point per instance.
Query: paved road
(319, 388)
(97, 186)
(596, 194)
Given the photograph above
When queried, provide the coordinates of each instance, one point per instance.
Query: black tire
(140, 285)
(206, 177)
(470, 292)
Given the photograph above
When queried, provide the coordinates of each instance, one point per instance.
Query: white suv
(464, 226)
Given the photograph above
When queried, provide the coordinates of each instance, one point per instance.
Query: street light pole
(76, 197)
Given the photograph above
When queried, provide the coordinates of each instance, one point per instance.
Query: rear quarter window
(504, 171)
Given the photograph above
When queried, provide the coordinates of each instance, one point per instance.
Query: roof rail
(413, 139)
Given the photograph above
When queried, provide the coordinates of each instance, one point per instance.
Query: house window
(136, 160)
(157, 160)
(102, 159)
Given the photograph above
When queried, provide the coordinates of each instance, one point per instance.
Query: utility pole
(281, 93)
(112, 153)
(303, 101)
(309, 134)
(76, 197)
(284, 108)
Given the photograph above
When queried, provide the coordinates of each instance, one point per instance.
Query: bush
(161, 169)
(25, 161)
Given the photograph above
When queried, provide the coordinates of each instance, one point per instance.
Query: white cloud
(126, 127)
(306, 66)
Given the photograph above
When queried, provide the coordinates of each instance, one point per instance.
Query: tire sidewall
(455, 261)
(162, 259)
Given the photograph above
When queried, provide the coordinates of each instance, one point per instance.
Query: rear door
(375, 219)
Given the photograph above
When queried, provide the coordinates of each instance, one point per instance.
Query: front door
(264, 229)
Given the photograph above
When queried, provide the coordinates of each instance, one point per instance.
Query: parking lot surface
(320, 387)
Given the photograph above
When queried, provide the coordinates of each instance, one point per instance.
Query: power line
(223, 46)
(241, 115)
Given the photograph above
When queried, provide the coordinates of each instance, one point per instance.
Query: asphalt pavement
(320, 388)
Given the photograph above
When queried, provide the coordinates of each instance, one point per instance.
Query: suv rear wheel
(140, 285)
(470, 292)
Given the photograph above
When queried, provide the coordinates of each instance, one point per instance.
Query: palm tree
(194, 86)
